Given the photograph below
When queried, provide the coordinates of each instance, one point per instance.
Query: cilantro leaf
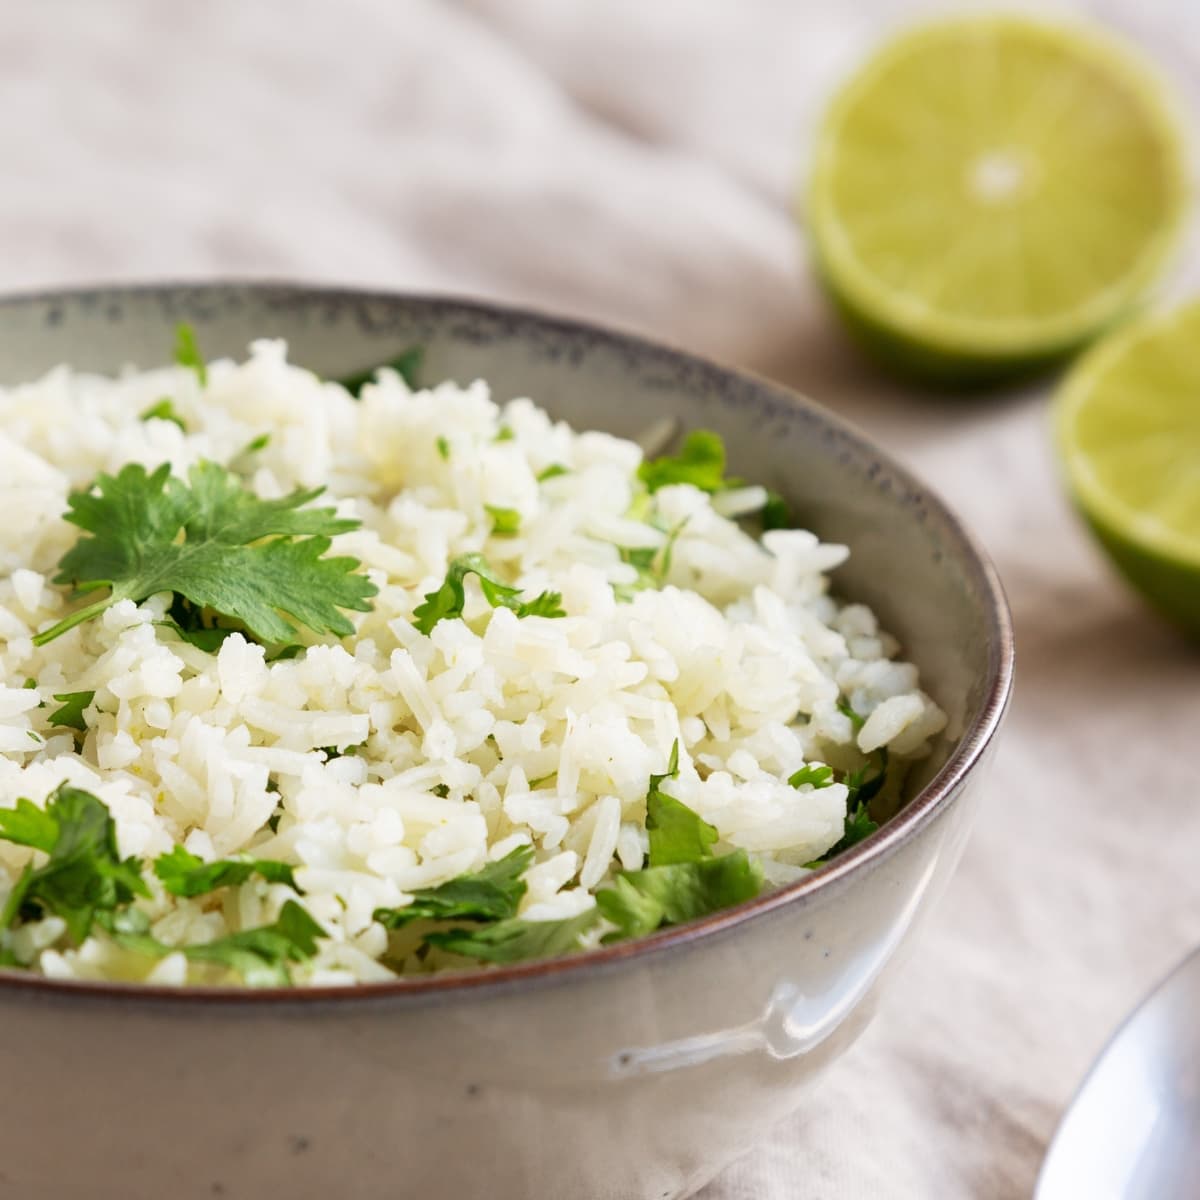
(185, 874)
(449, 599)
(506, 522)
(204, 638)
(816, 774)
(29, 825)
(84, 874)
(504, 434)
(700, 462)
(260, 956)
(443, 447)
(775, 513)
(246, 558)
(71, 713)
(163, 410)
(677, 834)
(553, 471)
(847, 710)
(861, 789)
(187, 353)
(254, 445)
(515, 939)
(489, 894)
(407, 365)
(639, 902)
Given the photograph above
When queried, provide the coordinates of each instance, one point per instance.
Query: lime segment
(990, 193)
(1128, 426)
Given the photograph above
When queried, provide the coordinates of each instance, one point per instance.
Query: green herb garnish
(406, 365)
(862, 786)
(163, 410)
(216, 544)
(489, 894)
(71, 713)
(775, 513)
(506, 522)
(448, 600)
(84, 874)
(700, 462)
(847, 710)
(684, 880)
(515, 939)
(443, 447)
(260, 956)
(639, 902)
(187, 353)
(553, 471)
(677, 834)
(816, 774)
(184, 874)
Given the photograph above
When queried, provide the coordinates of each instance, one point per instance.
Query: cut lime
(1128, 425)
(990, 193)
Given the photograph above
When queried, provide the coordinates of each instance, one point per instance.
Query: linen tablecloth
(635, 163)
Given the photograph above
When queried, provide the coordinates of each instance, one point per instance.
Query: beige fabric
(633, 161)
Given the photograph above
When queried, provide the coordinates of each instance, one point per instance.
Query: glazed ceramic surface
(633, 1072)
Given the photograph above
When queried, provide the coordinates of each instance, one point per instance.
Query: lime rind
(912, 334)
(1114, 520)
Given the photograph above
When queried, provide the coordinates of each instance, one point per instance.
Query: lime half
(990, 193)
(1128, 425)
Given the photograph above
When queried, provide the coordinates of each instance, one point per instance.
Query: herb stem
(76, 618)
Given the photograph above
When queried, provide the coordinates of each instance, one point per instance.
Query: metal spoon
(1132, 1132)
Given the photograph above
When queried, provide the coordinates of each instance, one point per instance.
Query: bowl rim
(921, 811)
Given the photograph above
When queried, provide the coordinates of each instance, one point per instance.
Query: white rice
(539, 731)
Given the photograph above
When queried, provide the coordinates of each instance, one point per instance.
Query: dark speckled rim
(923, 809)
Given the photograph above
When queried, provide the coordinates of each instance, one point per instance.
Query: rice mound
(393, 760)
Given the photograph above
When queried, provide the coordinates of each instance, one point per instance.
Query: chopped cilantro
(677, 834)
(260, 956)
(30, 684)
(443, 447)
(254, 445)
(449, 599)
(246, 558)
(84, 874)
(553, 471)
(71, 713)
(515, 939)
(505, 434)
(206, 638)
(184, 874)
(861, 788)
(639, 902)
(489, 894)
(506, 522)
(187, 353)
(775, 513)
(163, 410)
(818, 775)
(700, 462)
(406, 365)
(846, 709)
(440, 789)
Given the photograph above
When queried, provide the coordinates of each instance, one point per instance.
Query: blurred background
(638, 164)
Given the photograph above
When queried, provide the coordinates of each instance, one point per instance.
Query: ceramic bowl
(635, 1071)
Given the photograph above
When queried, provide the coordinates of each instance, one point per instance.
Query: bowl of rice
(448, 749)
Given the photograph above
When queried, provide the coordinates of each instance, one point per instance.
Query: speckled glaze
(633, 1072)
